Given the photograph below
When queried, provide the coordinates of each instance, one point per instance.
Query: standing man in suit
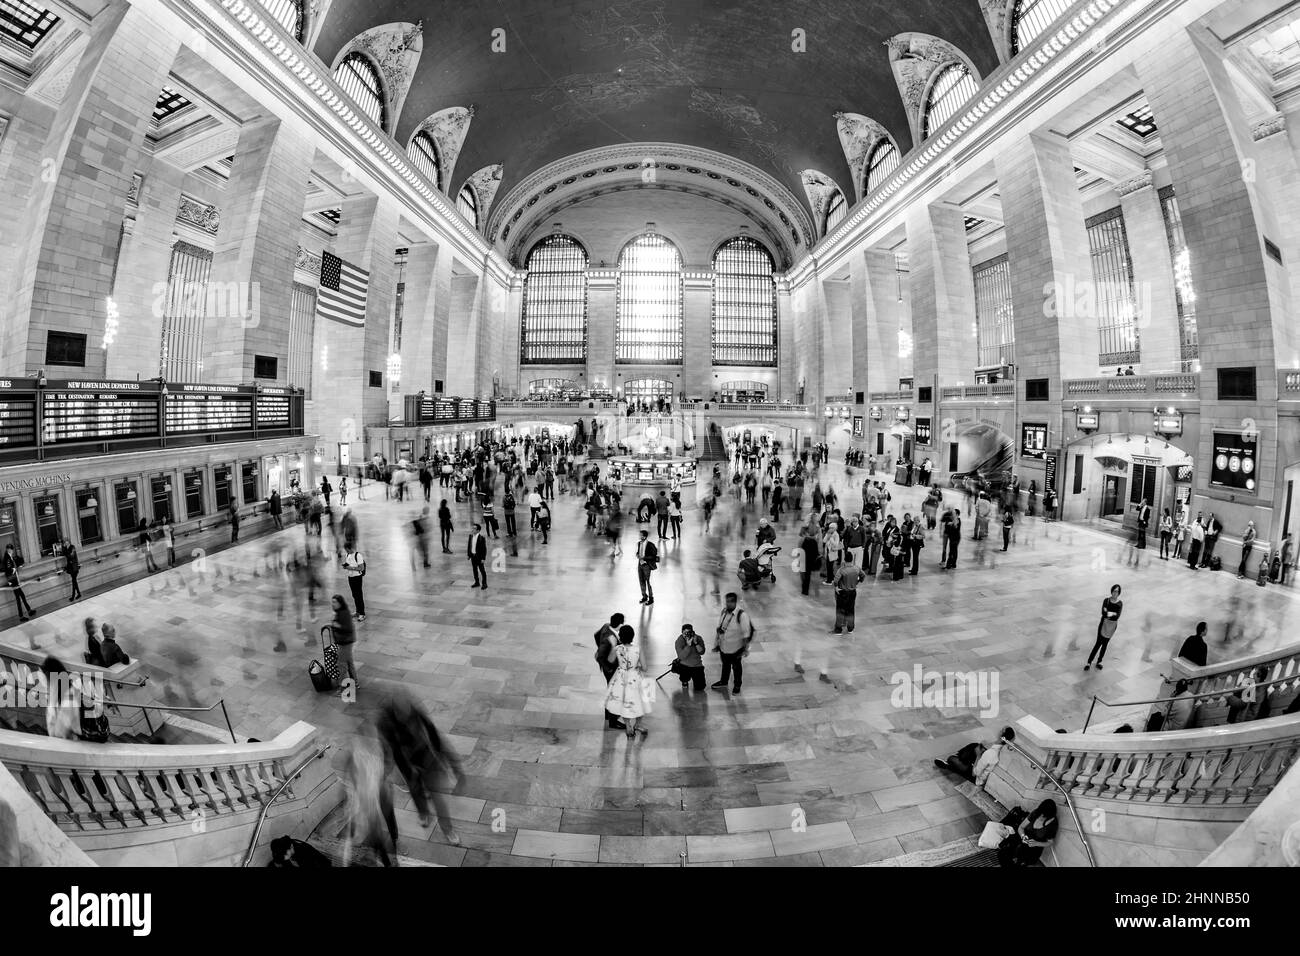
(1213, 527)
(647, 559)
(952, 534)
(1144, 519)
(478, 557)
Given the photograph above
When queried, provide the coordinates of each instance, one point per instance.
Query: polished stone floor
(800, 769)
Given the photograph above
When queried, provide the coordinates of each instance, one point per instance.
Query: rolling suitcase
(325, 676)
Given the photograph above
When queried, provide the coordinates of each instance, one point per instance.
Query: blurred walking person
(372, 824)
(427, 765)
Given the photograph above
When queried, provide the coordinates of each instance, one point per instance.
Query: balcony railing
(1182, 384)
(905, 395)
(959, 393)
(1277, 686)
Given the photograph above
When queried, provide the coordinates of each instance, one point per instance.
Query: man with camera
(734, 634)
(689, 665)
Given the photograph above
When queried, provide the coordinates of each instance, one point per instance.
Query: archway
(647, 391)
(554, 389)
(1110, 475)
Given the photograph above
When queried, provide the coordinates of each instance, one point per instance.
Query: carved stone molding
(307, 261)
(858, 136)
(133, 191)
(199, 214)
(997, 14)
(485, 184)
(4, 125)
(1134, 184)
(820, 188)
(448, 128)
(1268, 127)
(915, 58)
(395, 49)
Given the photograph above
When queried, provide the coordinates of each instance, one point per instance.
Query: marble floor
(799, 770)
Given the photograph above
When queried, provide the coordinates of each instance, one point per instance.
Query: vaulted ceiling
(584, 74)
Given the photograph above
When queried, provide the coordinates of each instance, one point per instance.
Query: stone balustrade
(1164, 799)
(967, 393)
(1182, 384)
(1213, 683)
(27, 836)
(122, 684)
(900, 396)
(1271, 835)
(172, 805)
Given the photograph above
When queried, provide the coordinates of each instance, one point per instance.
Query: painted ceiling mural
(720, 76)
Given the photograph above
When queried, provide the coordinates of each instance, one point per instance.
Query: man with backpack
(735, 631)
(355, 566)
(606, 641)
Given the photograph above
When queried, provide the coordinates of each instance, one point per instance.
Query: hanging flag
(343, 289)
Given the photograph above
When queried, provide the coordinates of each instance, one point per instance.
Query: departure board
(17, 415)
(189, 409)
(273, 407)
(99, 411)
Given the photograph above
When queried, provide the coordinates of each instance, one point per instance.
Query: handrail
(1068, 802)
(1259, 686)
(197, 710)
(266, 807)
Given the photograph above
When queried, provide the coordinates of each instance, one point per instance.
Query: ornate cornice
(1134, 184)
(858, 137)
(485, 184)
(722, 175)
(199, 214)
(820, 188)
(307, 261)
(1268, 127)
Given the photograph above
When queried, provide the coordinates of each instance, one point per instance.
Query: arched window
(836, 210)
(360, 80)
(288, 13)
(883, 161)
(649, 326)
(424, 154)
(554, 329)
(1031, 17)
(744, 304)
(952, 87)
(467, 203)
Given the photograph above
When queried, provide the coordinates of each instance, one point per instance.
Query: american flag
(343, 289)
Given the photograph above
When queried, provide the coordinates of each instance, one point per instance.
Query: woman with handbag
(1036, 832)
(1111, 608)
(630, 694)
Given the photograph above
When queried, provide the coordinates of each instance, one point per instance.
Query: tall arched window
(744, 304)
(1031, 17)
(554, 327)
(649, 326)
(288, 13)
(360, 80)
(836, 210)
(883, 161)
(952, 88)
(424, 154)
(467, 203)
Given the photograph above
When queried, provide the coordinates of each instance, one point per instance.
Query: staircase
(964, 852)
(711, 448)
(330, 838)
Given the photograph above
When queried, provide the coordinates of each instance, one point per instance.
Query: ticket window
(126, 501)
(194, 495)
(221, 486)
(49, 524)
(88, 522)
(9, 527)
(160, 493)
(248, 482)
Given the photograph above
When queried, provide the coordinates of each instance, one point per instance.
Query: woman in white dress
(625, 687)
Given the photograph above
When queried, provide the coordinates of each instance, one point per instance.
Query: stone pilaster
(463, 332)
(943, 295)
(602, 293)
(697, 345)
(1153, 275)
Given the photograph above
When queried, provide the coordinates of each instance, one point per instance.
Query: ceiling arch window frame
(1030, 19)
(837, 207)
(649, 322)
(883, 160)
(359, 78)
(467, 204)
(744, 304)
(423, 152)
(290, 14)
(553, 328)
(953, 85)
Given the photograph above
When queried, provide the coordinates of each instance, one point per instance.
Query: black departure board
(98, 411)
(17, 416)
(273, 408)
(208, 411)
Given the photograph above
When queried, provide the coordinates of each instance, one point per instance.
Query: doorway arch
(648, 390)
(1114, 472)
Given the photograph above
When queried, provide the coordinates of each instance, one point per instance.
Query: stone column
(837, 336)
(786, 371)
(420, 345)
(601, 296)
(877, 323)
(943, 295)
(250, 289)
(697, 352)
(72, 217)
(1242, 296)
(1153, 275)
(463, 336)
(142, 267)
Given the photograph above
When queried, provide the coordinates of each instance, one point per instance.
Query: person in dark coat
(428, 766)
(477, 551)
(287, 853)
(275, 508)
(71, 565)
(1194, 648)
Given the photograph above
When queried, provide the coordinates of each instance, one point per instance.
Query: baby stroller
(759, 568)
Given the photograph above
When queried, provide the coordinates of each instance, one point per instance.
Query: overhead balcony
(1123, 388)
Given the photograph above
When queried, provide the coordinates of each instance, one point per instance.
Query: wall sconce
(48, 511)
(1085, 419)
(92, 503)
(830, 413)
(1168, 422)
